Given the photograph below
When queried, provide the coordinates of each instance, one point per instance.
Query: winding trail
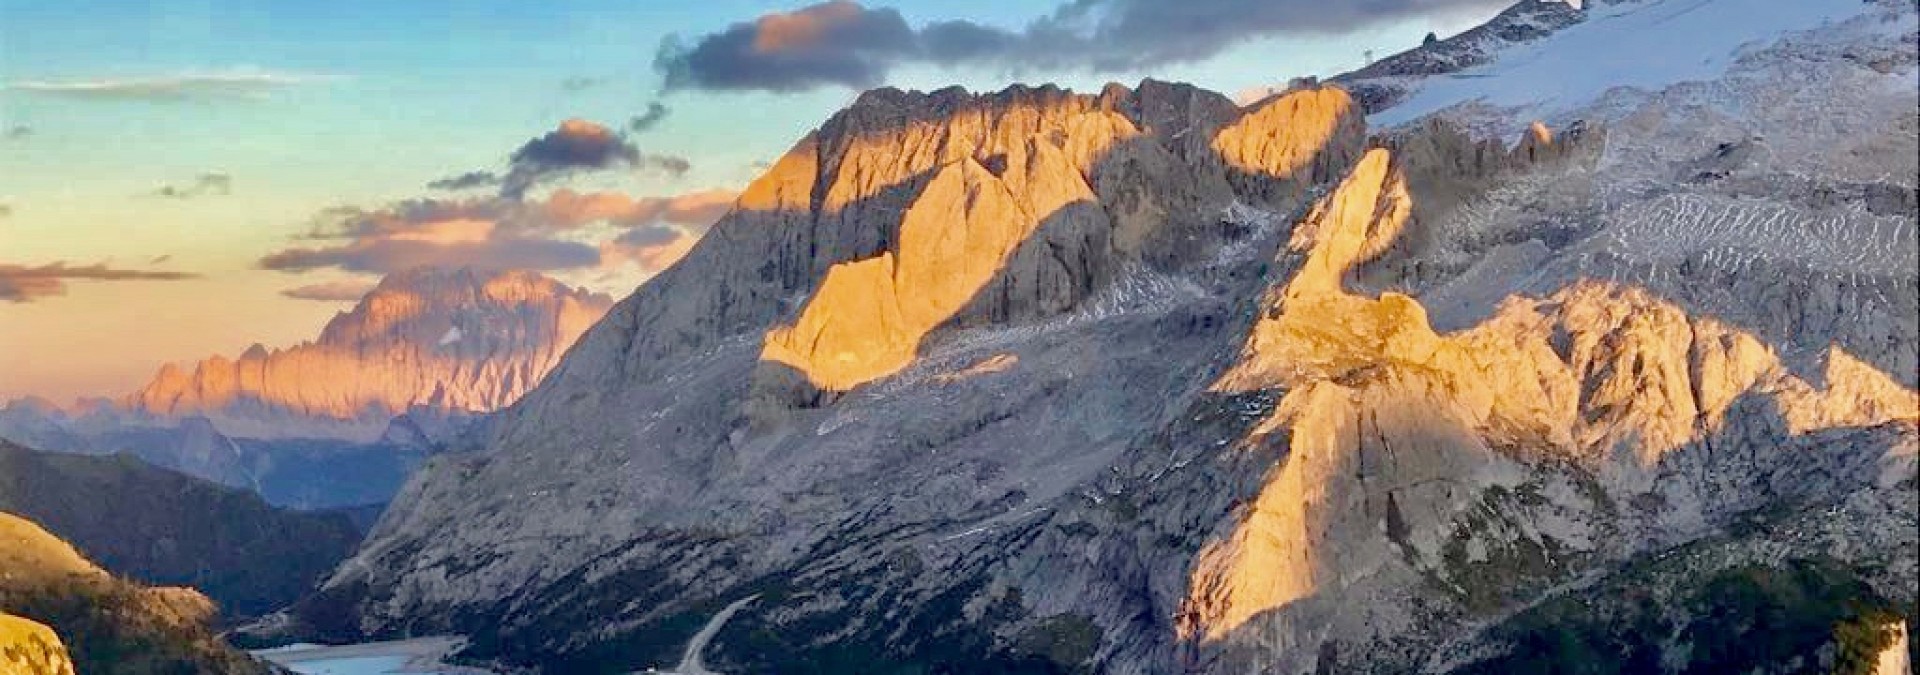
(690, 662)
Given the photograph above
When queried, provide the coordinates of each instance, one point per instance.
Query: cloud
(577, 145)
(20, 283)
(833, 43)
(651, 247)
(673, 165)
(231, 84)
(466, 181)
(490, 232)
(158, 259)
(661, 231)
(331, 291)
(843, 43)
(206, 184)
(388, 255)
(644, 122)
(6, 210)
(17, 132)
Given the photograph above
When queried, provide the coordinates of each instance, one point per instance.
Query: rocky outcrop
(459, 341)
(1043, 205)
(1393, 429)
(29, 648)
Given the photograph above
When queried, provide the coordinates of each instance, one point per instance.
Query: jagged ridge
(444, 340)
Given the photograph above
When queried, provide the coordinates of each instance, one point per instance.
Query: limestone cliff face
(1030, 205)
(1392, 429)
(1138, 383)
(458, 341)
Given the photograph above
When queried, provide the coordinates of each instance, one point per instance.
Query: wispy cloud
(466, 181)
(203, 185)
(646, 121)
(231, 84)
(17, 132)
(332, 291)
(497, 232)
(19, 283)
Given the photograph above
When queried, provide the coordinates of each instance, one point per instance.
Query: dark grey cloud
(832, 43)
(651, 234)
(671, 164)
(646, 121)
(847, 44)
(17, 132)
(466, 181)
(203, 185)
(578, 145)
(20, 283)
(235, 84)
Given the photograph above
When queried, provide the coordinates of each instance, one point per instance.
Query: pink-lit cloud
(553, 234)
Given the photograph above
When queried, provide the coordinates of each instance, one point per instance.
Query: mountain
(1144, 382)
(305, 473)
(1386, 83)
(108, 625)
(341, 421)
(452, 341)
(168, 528)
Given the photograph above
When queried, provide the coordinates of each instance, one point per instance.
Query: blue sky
(366, 102)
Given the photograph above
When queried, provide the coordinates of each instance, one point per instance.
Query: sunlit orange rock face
(459, 341)
(1392, 428)
(1024, 209)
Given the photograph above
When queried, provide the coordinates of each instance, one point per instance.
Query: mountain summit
(1504, 370)
(450, 341)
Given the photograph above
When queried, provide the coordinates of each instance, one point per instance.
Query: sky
(184, 178)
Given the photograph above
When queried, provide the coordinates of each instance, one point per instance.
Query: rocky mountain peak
(457, 340)
(1141, 382)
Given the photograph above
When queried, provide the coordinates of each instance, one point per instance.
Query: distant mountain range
(340, 421)
(425, 342)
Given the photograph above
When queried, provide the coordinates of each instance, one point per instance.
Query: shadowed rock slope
(163, 527)
(1140, 382)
